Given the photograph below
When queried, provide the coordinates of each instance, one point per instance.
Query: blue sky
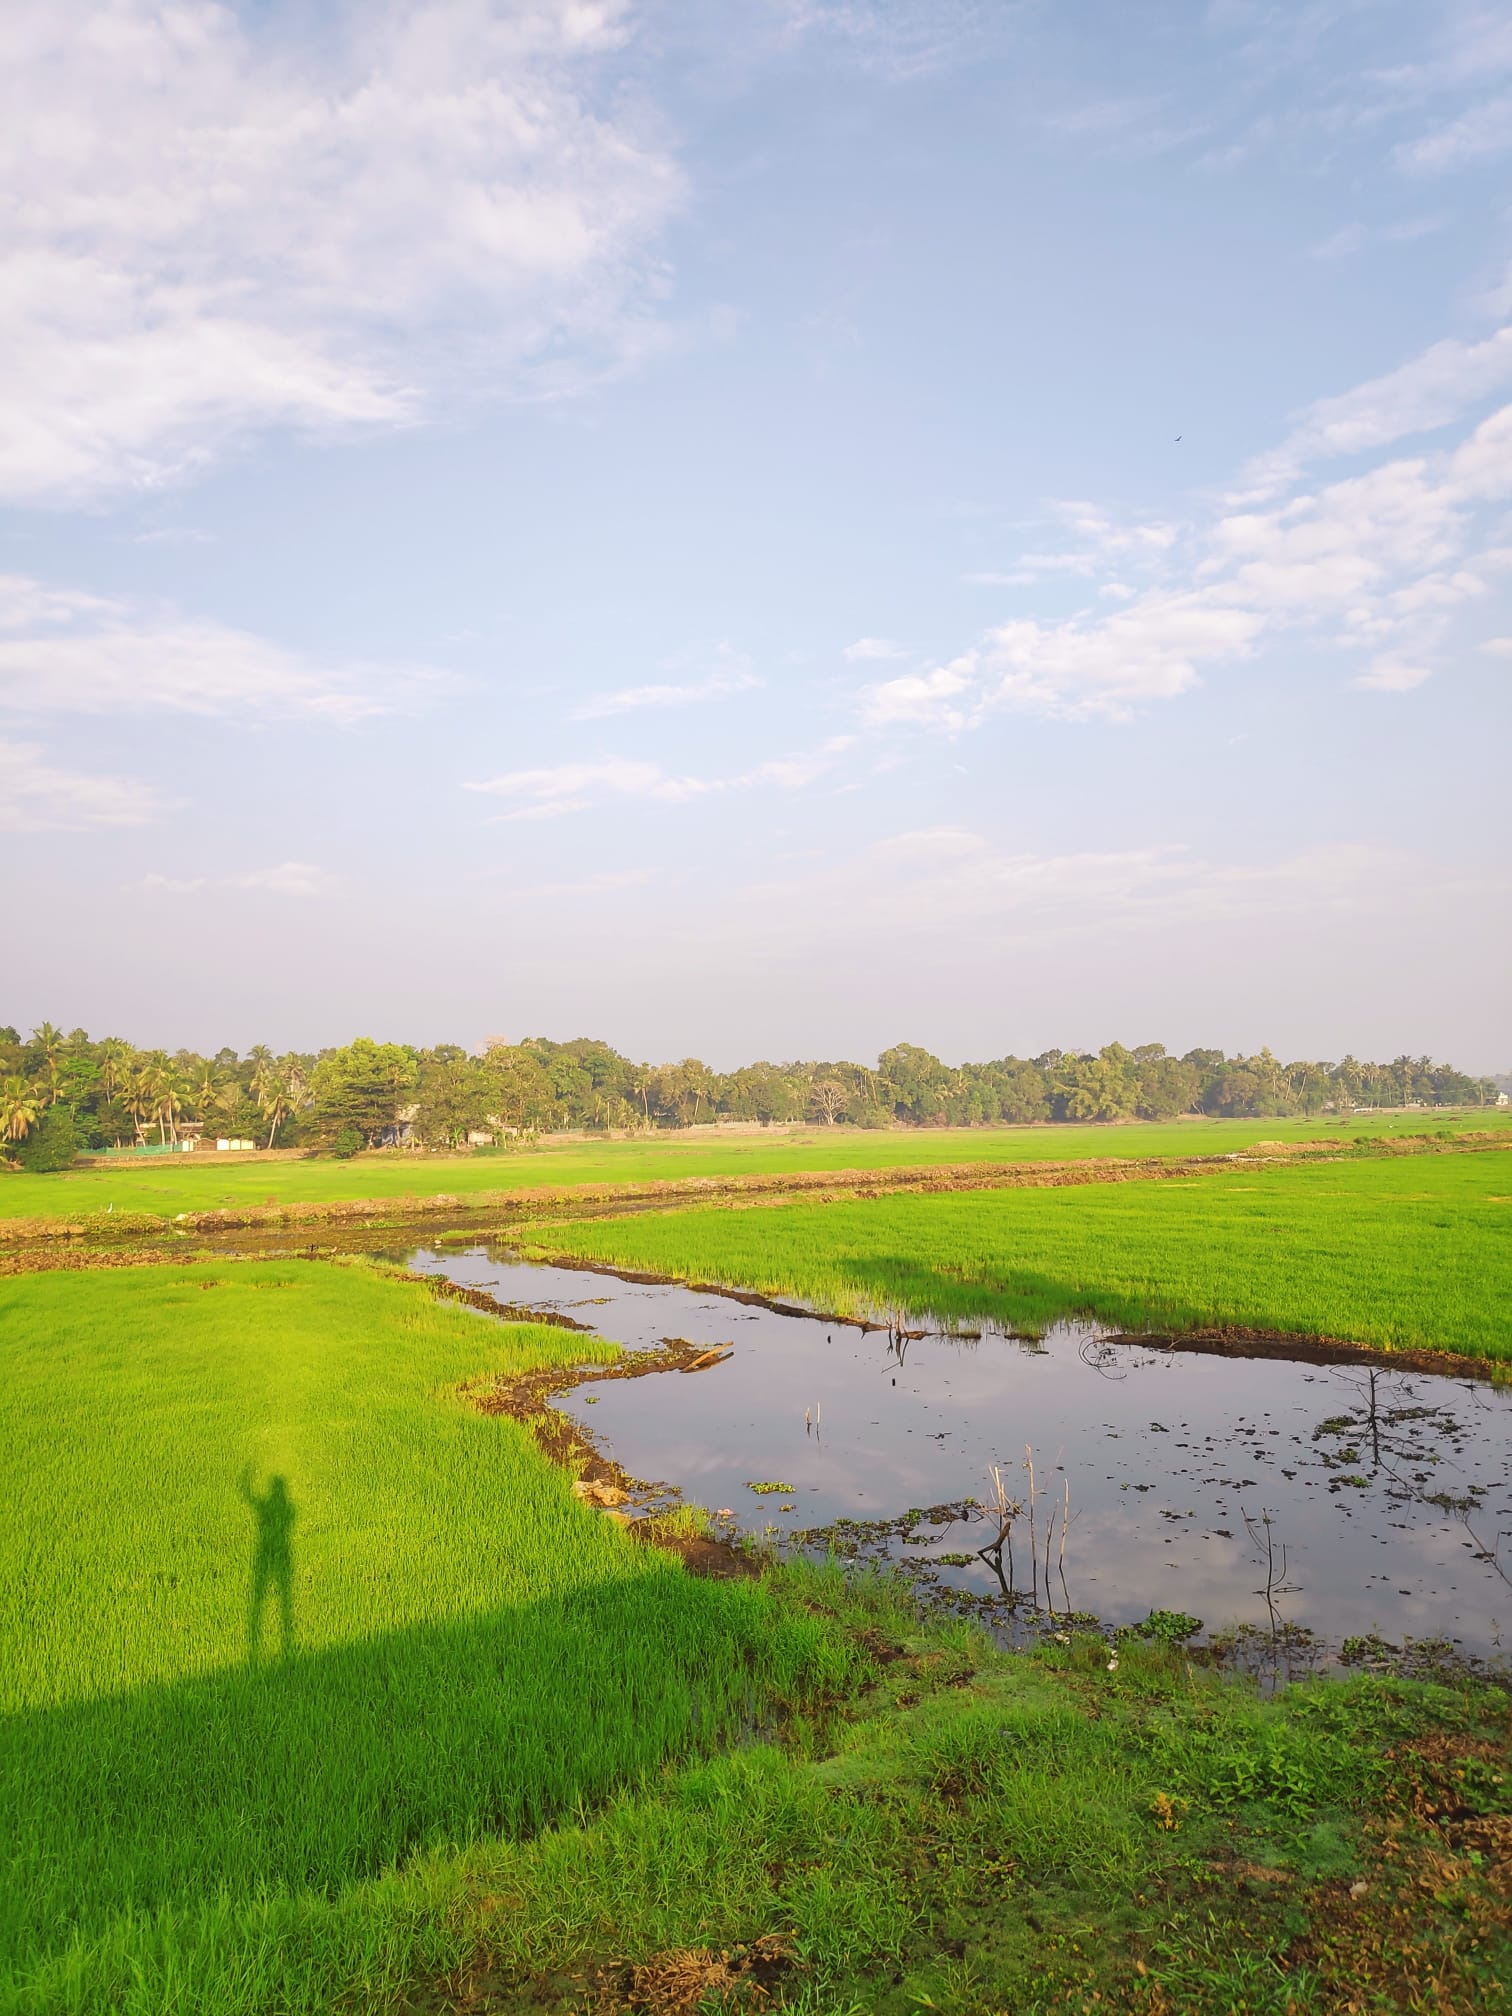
(758, 529)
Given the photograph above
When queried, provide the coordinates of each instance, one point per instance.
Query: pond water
(1386, 1492)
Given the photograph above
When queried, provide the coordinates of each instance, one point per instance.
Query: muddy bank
(526, 1397)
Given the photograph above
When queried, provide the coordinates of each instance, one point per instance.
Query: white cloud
(36, 795)
(866, 650)
(1391, 675)
(1429, 391)
(1385, 562)
(173, 885)
(563, 788)
(288, 878)
(220, 221)
(931, 699)
(68, 652)
(568, 787)
(715, 686)
(1076, 669)
(1104, 538)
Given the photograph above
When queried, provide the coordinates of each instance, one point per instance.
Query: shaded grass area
(972, 1832)
(1032, 1832)
(1405, 1253)
(206, 1181)
(193, 1453)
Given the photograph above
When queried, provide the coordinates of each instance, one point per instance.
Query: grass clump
(1405, 1253)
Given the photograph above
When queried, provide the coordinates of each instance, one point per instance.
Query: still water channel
(1387, 1492)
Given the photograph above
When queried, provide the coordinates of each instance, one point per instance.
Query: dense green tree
(52, 1144)
(1168, 1086)
(115, 1094)
(451, 1097)
(917, 1083)
(361, 1086)
(1103, 1087)
(519, 1091)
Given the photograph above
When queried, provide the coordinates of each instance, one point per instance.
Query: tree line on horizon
(63, 1093)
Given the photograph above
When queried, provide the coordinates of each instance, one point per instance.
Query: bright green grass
(1406, 1252)
(473, 1651)
(206, 1181)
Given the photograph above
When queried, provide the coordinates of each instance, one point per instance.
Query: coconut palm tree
(278, 1091)
(152, 1083)
(51, 1041)
(18, 1108)
(115, 1064)
(140, 1095)
(172, 1097)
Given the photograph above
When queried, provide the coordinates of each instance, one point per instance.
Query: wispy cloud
(65, 651)
(288, 878)
(717, 685)
(1431, 390)
(898, 40)
(1351, 239)
(1378, 564)
(867, 650)
(38, 795)
(563, 788)
(1101, 537)
(1481, 133)
(1077, 669)
(219, 223)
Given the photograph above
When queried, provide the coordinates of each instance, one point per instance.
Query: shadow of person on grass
(272, 1563)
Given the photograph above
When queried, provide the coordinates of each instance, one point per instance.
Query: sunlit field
(320, 1690)
(206, 1181)
(279, 1607)
(1411, 1252)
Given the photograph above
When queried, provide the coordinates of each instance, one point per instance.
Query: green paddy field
(1412, 1252)
(320, 1690)
(207, 1181)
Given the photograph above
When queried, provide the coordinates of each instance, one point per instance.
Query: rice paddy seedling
(1410, 1253)
(206, 1181)
(279, 1608)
